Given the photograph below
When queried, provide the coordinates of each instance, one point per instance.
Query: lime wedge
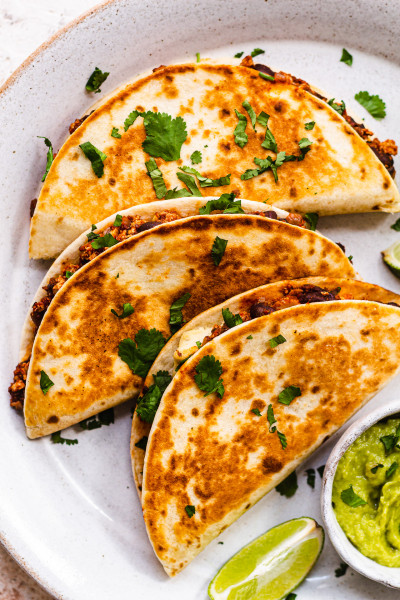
(391, 257)
(272, 565)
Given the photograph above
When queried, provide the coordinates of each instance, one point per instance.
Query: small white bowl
(388, 576)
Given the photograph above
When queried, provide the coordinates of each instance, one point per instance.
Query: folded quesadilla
(107, 323)
(184, 129)
(242, 412)
(218, 319)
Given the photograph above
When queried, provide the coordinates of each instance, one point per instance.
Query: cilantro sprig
(312, 220)
(45, 382)
(288, 486)
(127, 310)
(287, 395)
(352, 499)
(239, 133)
(148, 404)
(141, 353)
(196, 157)
(250, 111)
(50, 155)
(95, 80)
(190, 182)
(104, 241)
(157, 178)
(175, 313)
(230, 319)
(164, 135)
(346, 57)
(340, 108)
(372, 103)
(208, 376)
(96, 157)
(257, 51)
(207, 181)
(190, 510)
(104, 418)
(57, 439)
(226, 203)
(218, 250)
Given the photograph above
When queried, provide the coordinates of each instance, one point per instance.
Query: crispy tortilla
(217, 455)
(340, 174)
(77, 342)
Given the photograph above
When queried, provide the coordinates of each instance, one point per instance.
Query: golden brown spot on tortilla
(195, 412)
(385, 185)
(315, 389)
(247, 506)
(53, 419)
(224, 112)
(376, 207)
(293, 192)
(280, 107)
(224, 146)
(365, 331)
(112, 181)
(270, 464)
(236, 349)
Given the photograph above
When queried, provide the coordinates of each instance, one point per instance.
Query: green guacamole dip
(371, 470)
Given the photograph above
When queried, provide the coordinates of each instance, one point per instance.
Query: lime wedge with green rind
(272, 565)
(391, 258)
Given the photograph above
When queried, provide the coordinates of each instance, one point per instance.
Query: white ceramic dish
(70, 515)
(349, 553)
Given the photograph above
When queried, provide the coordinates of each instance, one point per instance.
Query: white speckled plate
(70, 515)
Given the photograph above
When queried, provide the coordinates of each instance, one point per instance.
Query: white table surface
(24, 25)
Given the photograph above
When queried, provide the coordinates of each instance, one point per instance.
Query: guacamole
(366, 493)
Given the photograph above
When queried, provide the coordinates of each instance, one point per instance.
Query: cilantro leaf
(57, 439)
(305, 146)
(271, 418)
(175, 313)
(117, 221)
(156, 177)
(140, 354)
(340, 571)
(288, 486)
(310, 125)
(127, 310)
(207, 181)
(218, 250)
(115, 133)
(105, 241)
(226, 203)
(340, 108)
(249, 337)
(266, 76)
(164, 135)
(175, 193)
(190, 510)
(346, 58)
(391, 469)
(372, 103)
(396, 226)
(148, 404)
(287, 395)
(269, 142)
(282, 439)
(239, 54)
(311, 477)
(96, 157)
(389, 441)
(291, 596)
(209, 371)
(250, 111)
(142, 443)
(196, 157)
(68, 274)
(45, 382)
(131, 118)
(190, 182)
(352, 499)
(230, 319)
(50, 155)
(95, 80)
(312, 220)
(104, 418)
(374, 469)
(263, 119)
(239, 133)
(275, 341)
(256, 52)
(256, 412)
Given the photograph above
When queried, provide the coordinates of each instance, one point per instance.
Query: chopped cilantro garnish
(96, 157)
(226, 203)
(269, 142)
(117, 276)
(240, 134)
(115, 133)
(131, 118)
(164, 135)
(340, 571)
(263, 119)
(156, 177)
(340, 108)
(352, 499)
(239, 54)
(396, 226)
(142, 443)
(148, 404)
(350, 258)
(311, 477)
(288, 486)
(310, 125)
(208, 373)
(250, 111)
(256, 412)
(198, 344)
(207, 181)
(105, 241)
(346, 57)
(50, 155)
(282, 439)
(321, 470)
(291, 596)
(140, 354)
(265, 164)
(198, 57)
(175, 193)
(57, 439)
(275, 341)
(372, 103)
(312, 220)
(287, 395)
(257, 51)
(190, 182)
(271, 418)
(95, 80)
(218, 250)
(266, 76)
(45, 382)
(92, 236)
(175, 312)
(190, 510)
(127, 310)
(68, 274)
(305, 146)
(117, 221)
(196, 157)
(230, 319)
(374, 469)
(390, 441)
(249, 337)
(391, 470)
(104, 418)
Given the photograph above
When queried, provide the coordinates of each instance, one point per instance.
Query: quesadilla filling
(128, 226)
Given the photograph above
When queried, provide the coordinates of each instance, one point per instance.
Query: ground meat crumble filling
(130, 225)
